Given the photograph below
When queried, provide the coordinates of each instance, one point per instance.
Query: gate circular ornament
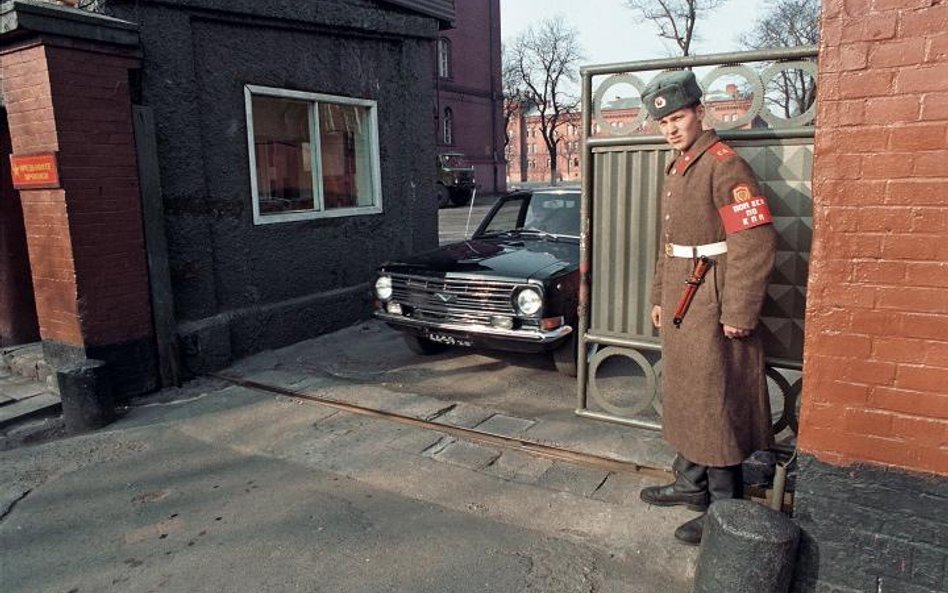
(757, 95)
(623, 129)
(638, 403)
(807, 67)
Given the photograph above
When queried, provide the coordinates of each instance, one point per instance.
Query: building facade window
(447, 126)
(311, 155)
(444, 57)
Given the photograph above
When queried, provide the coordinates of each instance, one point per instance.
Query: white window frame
(319, 210)
(444, 57)
(447, 127)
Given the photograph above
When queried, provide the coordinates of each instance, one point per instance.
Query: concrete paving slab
(463, 415)
(578, 480)
(623, 488)
(503, 425)
(462, 453)
(21, 391)
(519, 467)
(45, 403)
(412, 440)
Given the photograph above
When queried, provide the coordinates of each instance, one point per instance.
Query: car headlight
(383, 288)
(529, 301)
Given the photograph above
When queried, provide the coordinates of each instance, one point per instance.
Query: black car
(513, 286)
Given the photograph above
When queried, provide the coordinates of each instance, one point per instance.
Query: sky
(610, 32)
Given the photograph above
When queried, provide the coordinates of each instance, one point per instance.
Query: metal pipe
(625, 342)
(764, 55)
(634, 422)
(734, 135)
(584, 243)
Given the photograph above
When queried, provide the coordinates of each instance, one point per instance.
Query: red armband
(741, 216)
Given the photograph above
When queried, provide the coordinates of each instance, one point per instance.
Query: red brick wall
(876, 355)
(17, 309)
(85, 240)
(99, 170)
(29, 106)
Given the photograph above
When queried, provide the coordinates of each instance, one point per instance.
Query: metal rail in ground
(478, 436)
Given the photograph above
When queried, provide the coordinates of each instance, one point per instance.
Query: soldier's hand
(735, 332)
(657, 316)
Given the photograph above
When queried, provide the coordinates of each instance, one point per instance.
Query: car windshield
(542, 213)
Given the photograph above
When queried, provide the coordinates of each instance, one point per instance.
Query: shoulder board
(722, 151)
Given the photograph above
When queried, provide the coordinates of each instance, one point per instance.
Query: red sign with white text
(35, 171)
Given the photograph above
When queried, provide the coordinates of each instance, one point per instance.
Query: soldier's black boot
(690, 532)
(723, 483)
(689, 489)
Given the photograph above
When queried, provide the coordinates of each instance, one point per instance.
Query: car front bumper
(526, 340)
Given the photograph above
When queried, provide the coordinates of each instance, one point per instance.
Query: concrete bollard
(746, 548)
(86, 395)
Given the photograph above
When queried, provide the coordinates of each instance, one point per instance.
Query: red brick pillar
(873, 485)
(85, 239)
(17, 309)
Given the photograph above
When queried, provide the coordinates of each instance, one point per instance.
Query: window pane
(345, 143)
(282, 148)
(507, 217)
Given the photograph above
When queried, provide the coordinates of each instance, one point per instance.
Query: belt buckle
(669, 251)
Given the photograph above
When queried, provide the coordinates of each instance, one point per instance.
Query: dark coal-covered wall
(868, 529)
(241, 288)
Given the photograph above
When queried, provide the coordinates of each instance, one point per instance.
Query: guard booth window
(311, 155)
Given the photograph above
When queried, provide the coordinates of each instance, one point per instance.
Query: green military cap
(670, 91)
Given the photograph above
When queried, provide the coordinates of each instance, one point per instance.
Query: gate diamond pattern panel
(784, 171)
(626, 226)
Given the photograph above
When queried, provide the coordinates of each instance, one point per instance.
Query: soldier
(715, 409)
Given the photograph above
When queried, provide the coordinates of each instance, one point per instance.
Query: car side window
(506, 218)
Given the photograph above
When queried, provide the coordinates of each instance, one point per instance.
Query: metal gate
(624, 160)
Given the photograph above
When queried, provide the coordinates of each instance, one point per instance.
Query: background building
(469, 99)
(528, 159)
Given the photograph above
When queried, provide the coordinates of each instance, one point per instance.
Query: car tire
(565, 356)
(460, 197)
(444, 197)
(422, 346)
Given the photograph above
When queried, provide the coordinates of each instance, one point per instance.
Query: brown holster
(702, 265)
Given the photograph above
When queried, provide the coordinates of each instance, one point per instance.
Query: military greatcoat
(715, 408)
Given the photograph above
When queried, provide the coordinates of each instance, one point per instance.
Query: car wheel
(444, 197)
(461, 197)
(422, 346)
(564, 357)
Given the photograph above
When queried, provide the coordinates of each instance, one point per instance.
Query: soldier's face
(682, 127)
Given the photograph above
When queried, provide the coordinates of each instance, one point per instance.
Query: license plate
(448, 340)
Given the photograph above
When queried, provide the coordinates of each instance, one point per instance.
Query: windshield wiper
(540, 232)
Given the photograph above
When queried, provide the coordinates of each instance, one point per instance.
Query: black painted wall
(870, 530)
(241, 288)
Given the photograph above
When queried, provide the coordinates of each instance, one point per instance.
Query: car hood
(519, 259)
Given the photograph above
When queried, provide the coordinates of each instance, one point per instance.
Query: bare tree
(545, 58)
(675, 19)
(512, 92)
(788, 23)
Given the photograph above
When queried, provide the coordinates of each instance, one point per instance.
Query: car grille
(452, 300)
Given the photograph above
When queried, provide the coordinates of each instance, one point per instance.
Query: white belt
(695, 251)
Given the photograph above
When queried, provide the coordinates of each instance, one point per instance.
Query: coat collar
(705, 141)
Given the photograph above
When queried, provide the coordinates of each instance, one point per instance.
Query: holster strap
(695, 251)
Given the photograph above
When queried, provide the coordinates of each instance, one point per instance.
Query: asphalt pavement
(220, 487)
